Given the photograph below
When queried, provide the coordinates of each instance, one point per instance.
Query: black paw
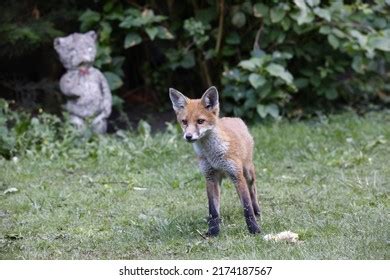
(213, 231)
(253, 227)
(257, 210)
(213, 226)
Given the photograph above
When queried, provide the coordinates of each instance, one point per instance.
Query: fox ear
(210, 99)
(179, 101)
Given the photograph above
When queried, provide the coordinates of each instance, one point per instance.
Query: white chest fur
(212, 151)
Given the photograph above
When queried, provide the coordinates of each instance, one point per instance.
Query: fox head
(197, 117)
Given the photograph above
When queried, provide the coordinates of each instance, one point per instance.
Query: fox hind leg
(246, 200)
(250, 176)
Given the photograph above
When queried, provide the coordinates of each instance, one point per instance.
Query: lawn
(136, 196)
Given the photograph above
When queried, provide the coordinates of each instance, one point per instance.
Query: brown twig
(205, 71)
(220, 26)
(202, 235)
(256, 45)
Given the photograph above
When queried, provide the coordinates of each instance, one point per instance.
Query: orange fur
(224, 146)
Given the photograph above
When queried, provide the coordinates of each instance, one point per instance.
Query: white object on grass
(288, 236)
(10, 190)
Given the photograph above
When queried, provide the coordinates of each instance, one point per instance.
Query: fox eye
(184, 122)
(200, 121)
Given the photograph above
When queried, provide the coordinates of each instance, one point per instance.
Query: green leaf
(163, 33)
(362, 39)
(380, 43)
(256, 80)
(117, 16)
(233, 38)
(325, 29)
(105, 32)
(272, 110)
(279, 71)
(301, 83)
(337, 32)
(333, 41)
(132, 39)
(114, 81)
(144, 128)
(147, 16)
(261, 110)
(88, 20)
(188, 60)
(206, 15)
(331, 93)
(209, 54)
(128, 22)
(103, 56)
(286, 23)
(323, 13)
(116, 65)
(108, 7)
(277, 14)
(247, 64)
(152, 32)
(239, 19)
(117, 102)
(313, 3)
(252, 64)
(228, 50)
(282, 55)
(358, 64)
(305, 15)
(260, 10)
(132, 12)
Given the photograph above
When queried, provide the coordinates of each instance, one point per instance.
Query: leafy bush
(49, 136)
(322, 52)
(26, 26)
(269, 57)
(120, 28)
(260, 85)
(7, 136)
(43, 134)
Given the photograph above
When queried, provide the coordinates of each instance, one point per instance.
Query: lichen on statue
(87, 91)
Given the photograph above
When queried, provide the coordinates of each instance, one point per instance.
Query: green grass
(138, 197)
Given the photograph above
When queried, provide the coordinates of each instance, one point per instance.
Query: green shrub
(322, 53)
(43, 134)
(119, 29)
(7, 136)
(269, 56)
(52, 137)
(25, 26)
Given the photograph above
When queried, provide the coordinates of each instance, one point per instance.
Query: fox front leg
(213, 182)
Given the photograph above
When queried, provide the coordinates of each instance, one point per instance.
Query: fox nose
(188, 136)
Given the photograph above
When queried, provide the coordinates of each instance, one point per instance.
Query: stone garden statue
(89, 96)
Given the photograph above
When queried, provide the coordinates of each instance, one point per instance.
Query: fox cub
(224, 147)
